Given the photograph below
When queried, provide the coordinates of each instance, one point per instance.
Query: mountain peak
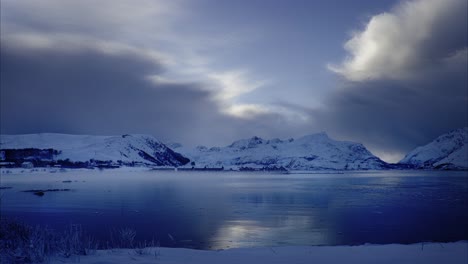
(448, 151)
(126, 149)
(247, 143)
(312, 152)
(256, 140)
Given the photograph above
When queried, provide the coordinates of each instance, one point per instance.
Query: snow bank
(416, 253)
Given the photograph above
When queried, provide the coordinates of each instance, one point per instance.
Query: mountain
(85, 149)
(448, 151)
(313, 152)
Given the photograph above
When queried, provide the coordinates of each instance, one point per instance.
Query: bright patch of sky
(264, 52)
(255, 52)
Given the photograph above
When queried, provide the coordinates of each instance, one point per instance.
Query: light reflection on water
(234, 209)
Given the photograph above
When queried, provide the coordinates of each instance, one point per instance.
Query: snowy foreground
(416, 253)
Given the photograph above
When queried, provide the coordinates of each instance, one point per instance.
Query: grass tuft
(21, 243)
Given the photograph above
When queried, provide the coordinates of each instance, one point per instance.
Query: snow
(127, 148)
(312, 152)
(426, 253)
(449, 150)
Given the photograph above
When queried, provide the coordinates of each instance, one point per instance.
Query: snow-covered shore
(427, 253)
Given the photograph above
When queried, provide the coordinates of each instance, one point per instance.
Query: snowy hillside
(125, 149)
(448, 151)
(313, 152)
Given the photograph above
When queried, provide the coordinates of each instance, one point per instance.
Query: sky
(389, 74)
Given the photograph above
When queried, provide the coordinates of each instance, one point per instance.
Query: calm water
(234, 209)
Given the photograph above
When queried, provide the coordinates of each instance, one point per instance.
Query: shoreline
(453, 252)
(18, 170)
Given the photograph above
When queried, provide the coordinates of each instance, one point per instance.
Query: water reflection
(282, 230)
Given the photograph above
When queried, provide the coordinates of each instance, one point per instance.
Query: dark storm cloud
(392, 117)
(69, 73)
(405, 80)
(397, 116)
(88, 92)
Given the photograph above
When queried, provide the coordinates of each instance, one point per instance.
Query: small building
(27, 165)
(5, 164)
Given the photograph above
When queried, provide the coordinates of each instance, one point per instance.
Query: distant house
(5, 164)
(27, 165)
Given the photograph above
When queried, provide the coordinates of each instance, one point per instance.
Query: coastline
(454, 252)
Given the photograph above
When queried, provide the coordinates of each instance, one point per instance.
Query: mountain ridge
(447, 151)
(124, 149)
(310, 152)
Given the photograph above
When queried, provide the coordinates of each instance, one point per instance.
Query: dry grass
(21, 243)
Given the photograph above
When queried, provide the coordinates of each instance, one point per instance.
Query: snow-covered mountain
(125, 149)
(313, 152)
(448, 151)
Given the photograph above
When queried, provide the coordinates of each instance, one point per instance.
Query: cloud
(112, 19)
(395, 117)
(246, 110)
(149, 29)
(121, 68)
(406, 41)
(88, 90)
(405, 80)
(70, 43)
(234, 83)
(126, 68)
